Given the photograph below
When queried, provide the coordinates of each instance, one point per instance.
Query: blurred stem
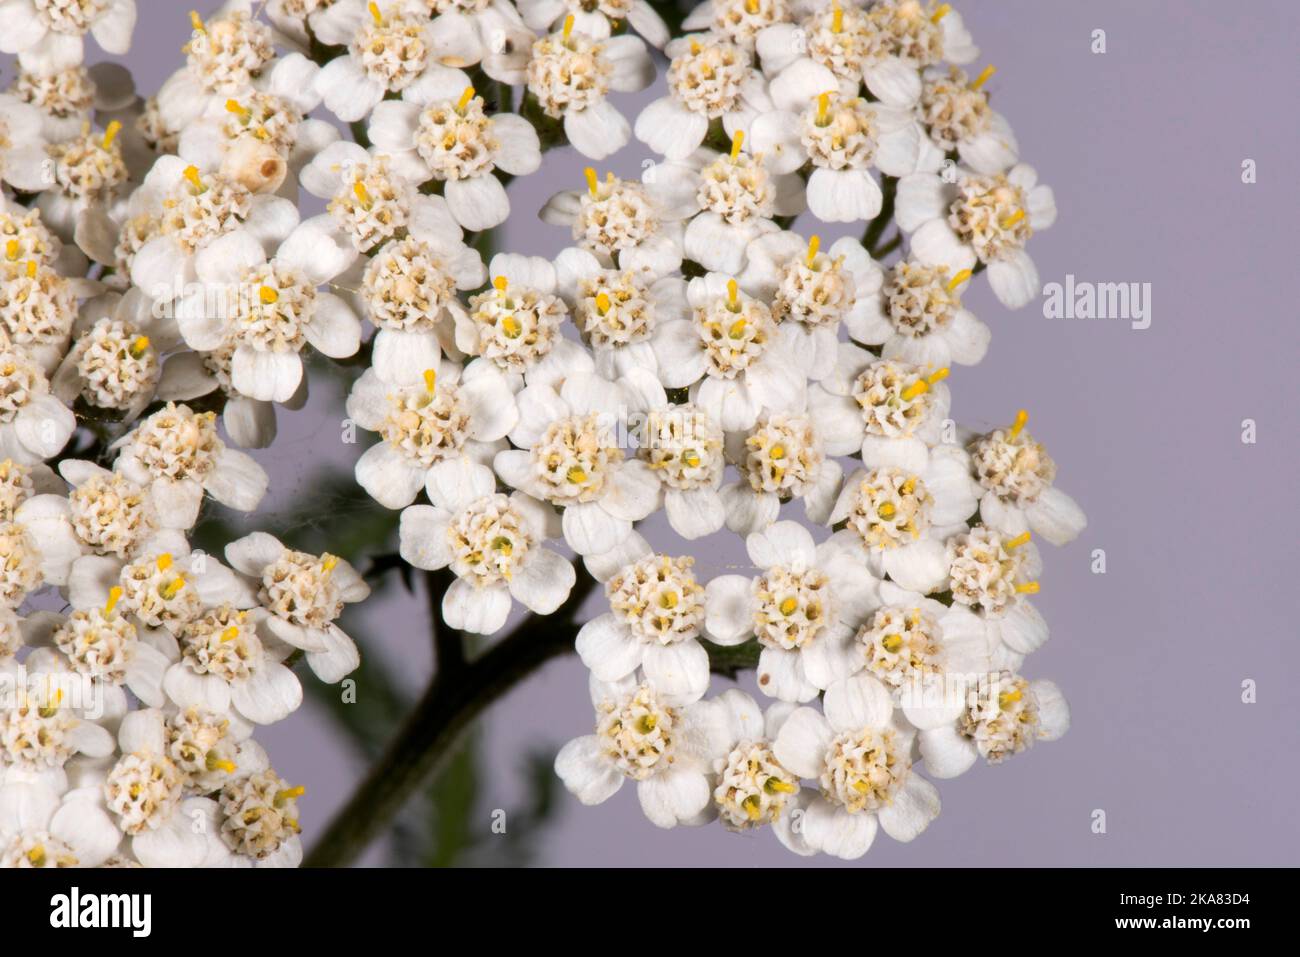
(876, 228)
(450, 705)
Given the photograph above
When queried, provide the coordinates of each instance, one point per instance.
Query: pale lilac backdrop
(1144, 147)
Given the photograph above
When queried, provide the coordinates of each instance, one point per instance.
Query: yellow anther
(943, 10)
(776, 785)
(173, 587)
(192, 174)
(733, 295)
(892, 643)
(466, 95)
(736, 142)
(500, 283)
(139, 346)
(813, 245)
(592, 180)
(602, 303)
(1008, 221)
(737, 330)
(503, 545)
(568, 27)
(31, 269)
(695, 48)
(362, 194)
(647, 723)
(234, 106)
(752, 808)
(289, 794)
(789, 606)
(1021, 418)
(268, 295)
(430, 380)
(328, 562)
(886, 510)
(576, 475)
(12, 249)
(375, 14)
(958, 279)
(36, 856)
(690, 458)
(230, 634)
(983, 78)
(862, 785)
(777, 452)
(110, 134)
(164, 561)
(196, 22)
(114, 596)
(922, 385)
(1027, 588)
(511, 327)
(1007, 698)
(751, 6)
(215, 762)
(1016, 542)
(823, 108)
(668, 599)
(837, 17)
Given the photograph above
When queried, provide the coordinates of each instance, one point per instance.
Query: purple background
(1143, 146)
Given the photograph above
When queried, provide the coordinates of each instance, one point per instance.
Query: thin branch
(876, 228)
(448, 642)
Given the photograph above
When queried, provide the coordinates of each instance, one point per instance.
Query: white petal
(582, 766)
(912, 809)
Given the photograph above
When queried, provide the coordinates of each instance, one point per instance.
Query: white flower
(569, 454)
(804, 607)
(34, 424)
(617, 311)
(655, 621)
(41, 828)
(843, 137)
(632, 226)
(249, 423)
(492, 542)
(49, 35)
(955, 112)
(514, 324)
(224, 58)
(1004, 717)
(110, 514)
(731, 353)
(447, 416)
(708, 78)
(304, 594)
(685, 447)
(570, 74)
(890, 412)
(37, 547)
(780, 458)
(739, 21)
(901, 518)
(596, 19)
(179, 456)
(666, 747)
(38, 308)
(441, 130)
(1016, 474)
(24, 162)
(812, 292)
(984, 219)
(271, 309)
(991, 575)
(860, 754)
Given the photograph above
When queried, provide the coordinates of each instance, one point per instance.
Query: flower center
(708, 77)
(38, 849)
(984, 569)
(20, 564)
(894, 399)
(1003, 719)
(991, 214)
(488, 539)
(406, 286)
(839, 134)
(954, 109)
(864, 769)
(658, 599)
(738, 188)
(516, 325)
(890, 508)
(66, 93)
(261, 813)
(813, 290)
(227, 54)
(21, 381)
(16, 487)
(793, 607)
(782, 455)
(34, 737)
(301, 589)
(753, 787)
(637, 734)
(684, 446)
(428, 425)
(740, 21)
(273, 304)
(204, 208)
(922, 299)
(142, 790)
(734, 332)
(116, 364)
(613, 215)
(37, 305)
(901, 645)
(263, 117)
(97, 642)
(1009, 463)
(178, 443)
(574, 458)
(456, 139)
(69, 16)
(840, 38)
(910, 29)
(158, 593)
(613, 309)
(221, 642)
(568, 72)
(372, 203)
(199, 746)
(391, 47)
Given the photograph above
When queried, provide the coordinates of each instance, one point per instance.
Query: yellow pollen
(500, 283)
(695, 48)
(861, 785)
(1027, 588)
(173, 587)
(328, 562)
(886, 510)
(465, 97)
(164, 561)
(921, 386)
(1021, 418)
(290, 793)
(12, 249)
(813, 245)
(592, 179)
(139, 346)
(114, 596)
(234, 106)
(737, 329)
(751, 806)
(668, 599)
(568, 27)
(1007, 698)
(31, 269)
(647, 723)
(691, 458)
(958, 279)
(1016, 542)
(374, 12)
(192, 174)
(1009, 221)
(511, 327)
(892, 643)
(215, 762)
(576, 475)
(837, 17)
(789, 606)
(230, 634)
(777, 452)
(503, 545)
(37, 856)
(363, 194)
(983, 78)
(777, 785)
(823, 108)
(197, 22)
(736, 142)
(268, 295)
(732, 295)
(602, 303)
(110, 134)
(430, 379)
(943, 10)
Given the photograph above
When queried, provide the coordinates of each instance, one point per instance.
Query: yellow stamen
(500, 283)
(958, 279)
(737, 329)
(892, 643)
(823, 108)
(943, 10)
(511, 327)
(576, 475)
(776, 784)
(886, 510)
(31, 269)
(923, 385)
(789, 606)
(568, 27)
(192, 174)
(1021, 418)
(1027, 588)
(164, 561)
(668, 599)
(695, 48)
(289, 793)
(230, 634)
(114, 596)
(690, 458)
(647, 723)
(592, 180)
(173, 587)
(602, 303)
(465, 97)
(1011, 220)
(1007, 698)
(837, 17)
(983, 78)
(196, 22)
(777, 452)
(813, 245)
(139, 345)
(328, 562)
(110, 134)
(234, 106)
(1016, 542)
(430, 379)
(12, 249)
(374, 12)
(37, 856)
(363, 194)
(216, 762)
(733, 302)
(503, 545)
(736, 142)
(751, 806)
(268, 295)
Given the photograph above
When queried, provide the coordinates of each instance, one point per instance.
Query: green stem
(876, 228)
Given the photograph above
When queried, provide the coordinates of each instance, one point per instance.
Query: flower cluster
(161, 294)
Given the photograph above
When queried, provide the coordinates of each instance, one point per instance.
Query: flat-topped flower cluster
(691, 351)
